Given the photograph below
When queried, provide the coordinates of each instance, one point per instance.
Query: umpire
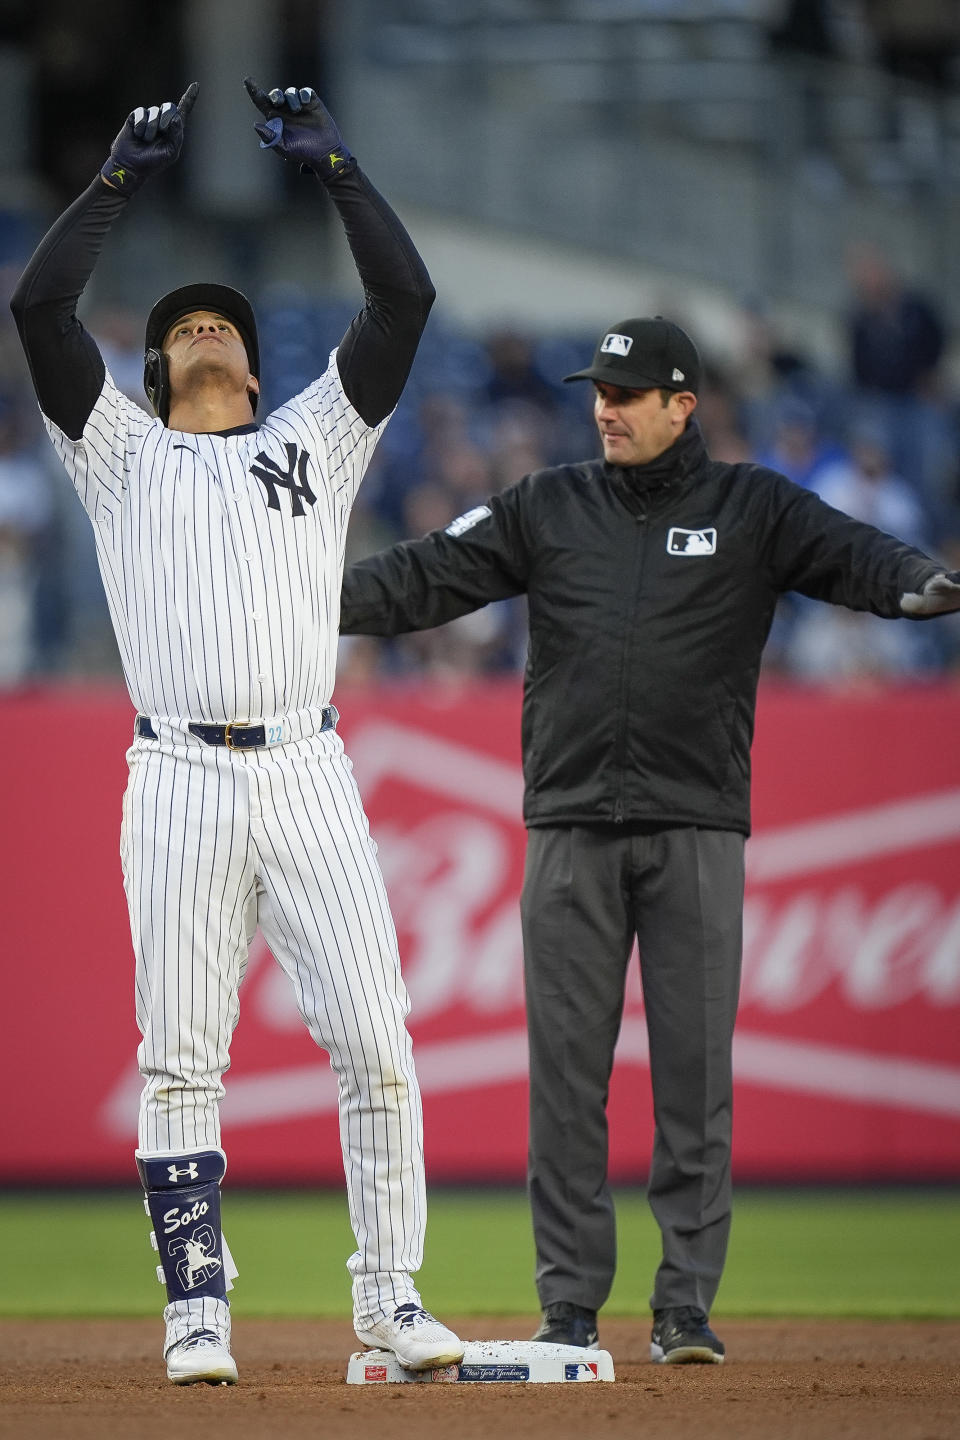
(651, 577)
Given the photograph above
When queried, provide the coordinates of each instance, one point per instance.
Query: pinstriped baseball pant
(215, 842)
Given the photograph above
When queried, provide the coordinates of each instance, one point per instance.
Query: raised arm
(375, 354)
(65, 364)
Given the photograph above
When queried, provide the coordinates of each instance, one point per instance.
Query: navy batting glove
(299, 127)
(151, 139)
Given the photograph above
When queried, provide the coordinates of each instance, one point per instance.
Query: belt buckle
(227, 737)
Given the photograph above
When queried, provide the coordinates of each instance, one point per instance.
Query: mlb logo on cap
(616, 344)
(645, 353)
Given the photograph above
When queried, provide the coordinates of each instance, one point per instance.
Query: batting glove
(151, 139)
(940, 595)
(299, 127)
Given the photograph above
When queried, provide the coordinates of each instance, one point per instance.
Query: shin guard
(183, 1201)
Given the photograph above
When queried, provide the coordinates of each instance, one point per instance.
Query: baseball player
(651, 579)
(220, 540)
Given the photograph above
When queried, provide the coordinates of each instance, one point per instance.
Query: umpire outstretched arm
(481, 557)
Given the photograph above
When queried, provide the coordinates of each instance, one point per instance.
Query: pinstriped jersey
(222, 556)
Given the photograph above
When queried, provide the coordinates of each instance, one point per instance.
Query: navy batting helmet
(223, 300)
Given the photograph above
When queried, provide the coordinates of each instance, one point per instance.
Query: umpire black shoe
(566, 1324)
(683, 1337)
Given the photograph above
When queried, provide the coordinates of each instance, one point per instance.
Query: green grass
(859, 1253)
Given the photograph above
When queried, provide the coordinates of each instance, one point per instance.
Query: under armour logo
(182, 1172)
(294, 478)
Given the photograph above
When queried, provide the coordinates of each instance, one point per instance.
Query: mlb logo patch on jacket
(691, 542)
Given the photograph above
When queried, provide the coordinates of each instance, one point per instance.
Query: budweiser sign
(850, 995)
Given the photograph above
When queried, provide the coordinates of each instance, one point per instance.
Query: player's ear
(253, 390)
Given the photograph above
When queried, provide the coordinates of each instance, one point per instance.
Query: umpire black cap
(645, 354)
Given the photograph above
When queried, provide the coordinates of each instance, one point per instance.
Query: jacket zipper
(622, 717)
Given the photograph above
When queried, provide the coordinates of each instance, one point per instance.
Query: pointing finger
(187, 98)
(261, 100)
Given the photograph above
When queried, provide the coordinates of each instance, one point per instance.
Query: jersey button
(256, 615)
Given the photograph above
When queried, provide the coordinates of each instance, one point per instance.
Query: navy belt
(236, 735)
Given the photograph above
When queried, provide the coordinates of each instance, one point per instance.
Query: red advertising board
(847, 1054)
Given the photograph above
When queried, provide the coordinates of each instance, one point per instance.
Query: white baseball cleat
(202, 1356)
(417, 1339)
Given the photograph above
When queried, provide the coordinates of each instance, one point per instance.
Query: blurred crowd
(917, 39)
(877, 437)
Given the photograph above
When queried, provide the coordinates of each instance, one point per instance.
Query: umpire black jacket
(651, 591)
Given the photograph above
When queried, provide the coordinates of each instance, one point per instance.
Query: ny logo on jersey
(294, 479)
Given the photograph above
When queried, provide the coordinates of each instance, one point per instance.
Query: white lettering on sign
(879, 952)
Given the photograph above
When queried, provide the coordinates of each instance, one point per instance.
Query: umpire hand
(299, 127)
(150, 140)
(940, 595)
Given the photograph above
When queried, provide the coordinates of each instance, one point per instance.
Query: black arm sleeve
(823, 553)
(376, 353)
(65, 364)
(422, 583)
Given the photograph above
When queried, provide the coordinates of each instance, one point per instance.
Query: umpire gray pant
(587, 892)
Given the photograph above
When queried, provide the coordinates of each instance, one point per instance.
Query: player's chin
(209, 363)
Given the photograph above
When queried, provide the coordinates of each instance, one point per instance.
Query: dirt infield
(103, 1380)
